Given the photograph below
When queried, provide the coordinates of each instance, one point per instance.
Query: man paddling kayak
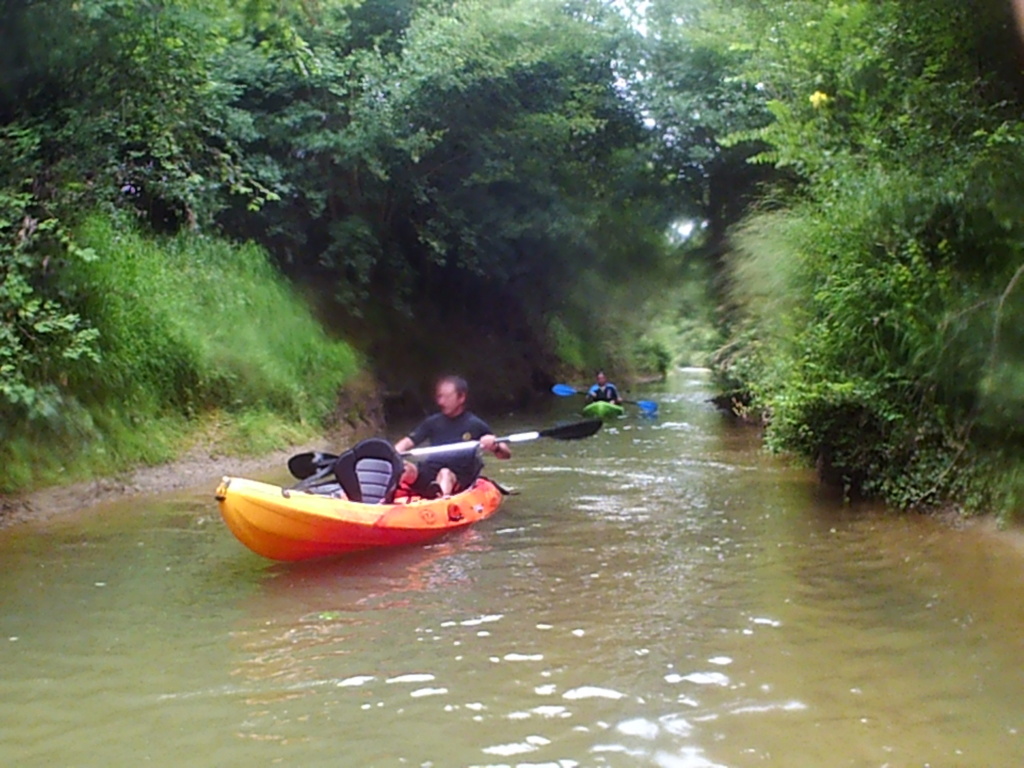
(603, 391)
(444, 475)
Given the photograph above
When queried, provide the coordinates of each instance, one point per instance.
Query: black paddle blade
(303, 465)
(576, 431)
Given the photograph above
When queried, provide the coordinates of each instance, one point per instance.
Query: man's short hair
(461, 387)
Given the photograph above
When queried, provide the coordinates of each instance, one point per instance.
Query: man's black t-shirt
(442, 430)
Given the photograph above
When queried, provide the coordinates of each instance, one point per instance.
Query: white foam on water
(419, 693)
(699, 678)
(786, 706)
(639, 726)
(592, 692)
(507, 750)
(550, 710)
(356, 680)
(411, 678)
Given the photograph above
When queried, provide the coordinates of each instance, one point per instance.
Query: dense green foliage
(482, 174)
(110, 341)
(39, 336)
(427, 172)
(490, 187)
(874, 292)
(182, 329)
(197, 323)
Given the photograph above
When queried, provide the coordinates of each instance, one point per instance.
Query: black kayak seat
(369, 471)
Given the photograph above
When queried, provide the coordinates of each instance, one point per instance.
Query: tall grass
(198, 338)
(883, 337)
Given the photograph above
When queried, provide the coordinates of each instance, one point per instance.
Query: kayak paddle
(575, 431)
(303, 465)
(649, 407)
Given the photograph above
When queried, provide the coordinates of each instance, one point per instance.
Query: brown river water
(661, 594)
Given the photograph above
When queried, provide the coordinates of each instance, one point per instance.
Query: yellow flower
(819, 99)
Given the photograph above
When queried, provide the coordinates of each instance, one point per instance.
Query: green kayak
(601, 409)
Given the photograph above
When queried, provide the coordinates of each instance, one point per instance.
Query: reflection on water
(662, 594)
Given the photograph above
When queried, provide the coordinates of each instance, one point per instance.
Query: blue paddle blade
(564, 390)
(648, 406)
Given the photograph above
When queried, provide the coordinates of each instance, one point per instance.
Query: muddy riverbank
(194, 470)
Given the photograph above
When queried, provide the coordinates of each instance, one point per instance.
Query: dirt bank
(199, 468)
(359, 413)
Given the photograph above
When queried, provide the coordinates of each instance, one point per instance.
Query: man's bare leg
(446, 481)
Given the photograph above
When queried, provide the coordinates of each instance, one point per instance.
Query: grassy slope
(202, 342)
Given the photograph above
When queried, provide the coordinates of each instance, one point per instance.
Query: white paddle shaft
(433, 450)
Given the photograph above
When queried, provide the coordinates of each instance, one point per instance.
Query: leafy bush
(653, 357)
(886, 335)
(41, 338)
(876, 302)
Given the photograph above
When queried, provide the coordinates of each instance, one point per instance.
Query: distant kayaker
(603, 390)
(445, 474)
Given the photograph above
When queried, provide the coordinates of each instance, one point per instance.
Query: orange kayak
(287, 524)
